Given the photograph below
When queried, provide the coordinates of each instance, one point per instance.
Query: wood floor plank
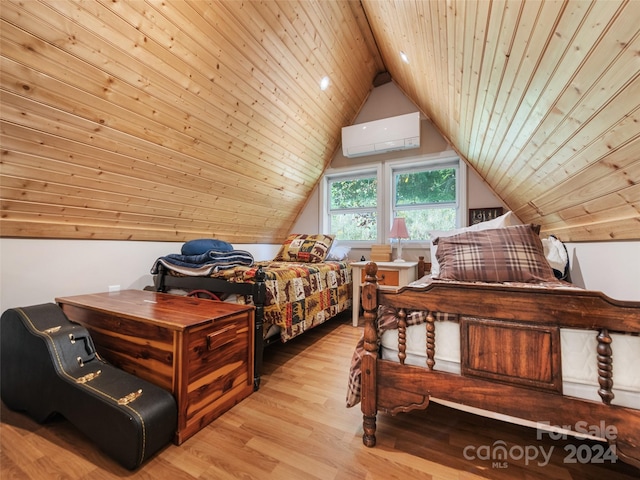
(297, 426)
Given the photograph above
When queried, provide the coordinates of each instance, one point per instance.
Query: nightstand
(390, 274)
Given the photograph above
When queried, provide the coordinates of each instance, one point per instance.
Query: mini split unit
(380, 136)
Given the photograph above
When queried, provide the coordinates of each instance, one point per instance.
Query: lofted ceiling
(170, 120)
(542, 99)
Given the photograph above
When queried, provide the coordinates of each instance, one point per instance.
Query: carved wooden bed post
(259, 300)
(369, 360)
(605, 367)
(431, 340)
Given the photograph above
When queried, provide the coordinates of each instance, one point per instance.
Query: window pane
(355, 226)
(431, 186)
(361, 192)
(420, 222)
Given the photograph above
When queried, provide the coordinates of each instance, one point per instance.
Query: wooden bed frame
(164, 281)
(494, 375)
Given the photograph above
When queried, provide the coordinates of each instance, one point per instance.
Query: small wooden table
(198, 349)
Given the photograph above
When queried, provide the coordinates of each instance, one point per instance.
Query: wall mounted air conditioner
(380, 136)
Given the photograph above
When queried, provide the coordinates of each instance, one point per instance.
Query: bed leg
(259, 299)
(258, 350)
(369, 427)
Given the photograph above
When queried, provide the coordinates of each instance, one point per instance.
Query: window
(353, 207)
(427, 198)
(358, 205)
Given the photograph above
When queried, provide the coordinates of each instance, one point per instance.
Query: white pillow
(506, 220)
(338, 253)
(556, 254)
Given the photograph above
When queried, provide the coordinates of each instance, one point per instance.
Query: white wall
(38, 271)
(34, 271)
(610, 267)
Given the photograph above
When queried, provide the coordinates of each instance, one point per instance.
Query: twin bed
(527, 347)
(300, 289)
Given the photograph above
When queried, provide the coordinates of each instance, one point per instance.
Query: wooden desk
(198, 349)
(396, 274)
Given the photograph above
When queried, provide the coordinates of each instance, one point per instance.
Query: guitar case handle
(89, 347)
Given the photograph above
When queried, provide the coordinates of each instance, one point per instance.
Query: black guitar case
(49, 365)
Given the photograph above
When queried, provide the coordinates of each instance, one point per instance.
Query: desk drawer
(385, 277)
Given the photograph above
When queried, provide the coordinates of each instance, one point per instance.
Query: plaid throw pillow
(305, 248)
(510, 254)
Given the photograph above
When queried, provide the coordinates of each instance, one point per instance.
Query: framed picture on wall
(477, 215)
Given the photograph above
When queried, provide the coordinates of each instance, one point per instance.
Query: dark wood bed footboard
(163, 282)
(510, 356)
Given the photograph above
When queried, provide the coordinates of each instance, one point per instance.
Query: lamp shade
(399, 229)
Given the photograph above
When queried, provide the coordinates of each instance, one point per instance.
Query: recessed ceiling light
(324, 83)
(404, 57)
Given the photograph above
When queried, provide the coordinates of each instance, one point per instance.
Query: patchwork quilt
(299, 295)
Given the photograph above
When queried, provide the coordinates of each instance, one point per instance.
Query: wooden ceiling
(541, 98)
(171, 120)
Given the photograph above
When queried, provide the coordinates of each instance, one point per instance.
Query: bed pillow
(506, 220)
(510, 254)
(305, 248)
(338, 253)
(557, 256)
(203, 245)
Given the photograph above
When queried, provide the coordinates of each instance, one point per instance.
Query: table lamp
(399, 231)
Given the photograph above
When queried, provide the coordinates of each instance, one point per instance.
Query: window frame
(385, 171)
(420, 165)
(325, 200)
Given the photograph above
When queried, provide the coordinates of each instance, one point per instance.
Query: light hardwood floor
(297, 427)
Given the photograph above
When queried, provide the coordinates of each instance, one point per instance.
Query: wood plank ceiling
(541, 98)
(171, 120)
